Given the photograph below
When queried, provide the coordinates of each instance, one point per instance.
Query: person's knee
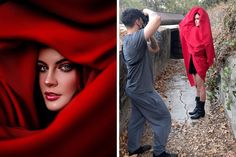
(201, 86)
(166, 112)
(168, 118)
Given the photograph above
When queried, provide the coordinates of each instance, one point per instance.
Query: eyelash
(65, 67)
(42, 68)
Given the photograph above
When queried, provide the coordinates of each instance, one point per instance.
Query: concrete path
(208, 136)
(180, 97)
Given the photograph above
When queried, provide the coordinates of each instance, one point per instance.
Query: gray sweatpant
(148, 106)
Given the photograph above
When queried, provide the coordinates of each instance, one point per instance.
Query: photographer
(146, 102)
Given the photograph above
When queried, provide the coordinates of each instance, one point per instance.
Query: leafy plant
(226, 78)
(229, 102)
(225, 46)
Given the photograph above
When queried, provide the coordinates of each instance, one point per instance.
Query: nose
(51, 80)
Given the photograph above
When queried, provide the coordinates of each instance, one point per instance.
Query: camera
(145, 19)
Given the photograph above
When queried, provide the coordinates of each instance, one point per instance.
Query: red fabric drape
(197, 41)
(85, 33)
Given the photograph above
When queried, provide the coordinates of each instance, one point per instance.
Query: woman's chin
(54, 106)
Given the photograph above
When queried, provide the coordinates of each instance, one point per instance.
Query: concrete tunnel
(171, 21)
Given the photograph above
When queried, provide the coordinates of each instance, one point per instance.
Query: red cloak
(197, 41)
(85, 33)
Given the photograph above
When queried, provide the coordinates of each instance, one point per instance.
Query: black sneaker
(164, 154)
(141, 150)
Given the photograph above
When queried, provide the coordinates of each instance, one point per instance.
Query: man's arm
(152, 25)
(153, 45)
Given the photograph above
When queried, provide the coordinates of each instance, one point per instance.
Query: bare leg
(197, 98)
(201, 88)
(197, 89)
(202, 91)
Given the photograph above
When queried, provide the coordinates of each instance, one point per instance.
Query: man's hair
(129, 16)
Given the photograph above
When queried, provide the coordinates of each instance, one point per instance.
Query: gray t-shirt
(138, 63)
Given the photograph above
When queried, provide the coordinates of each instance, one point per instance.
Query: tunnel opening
(176, 49)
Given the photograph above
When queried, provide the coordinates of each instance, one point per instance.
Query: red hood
(83, 34)
(195, 39)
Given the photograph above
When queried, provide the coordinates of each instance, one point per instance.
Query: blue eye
(66, 67)
(42, 68)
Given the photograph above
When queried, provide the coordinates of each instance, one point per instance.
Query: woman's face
(197, 19)
(57, 79)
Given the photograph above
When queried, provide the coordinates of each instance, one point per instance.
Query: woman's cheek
(68, 82)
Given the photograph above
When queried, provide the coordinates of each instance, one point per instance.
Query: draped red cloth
(197, 41)
(85, 33)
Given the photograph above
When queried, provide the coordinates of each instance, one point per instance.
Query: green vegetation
(211, 84)
(226, 78)
(225, 46)
(229, 102)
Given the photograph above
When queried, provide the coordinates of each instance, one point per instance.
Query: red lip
(50, 96)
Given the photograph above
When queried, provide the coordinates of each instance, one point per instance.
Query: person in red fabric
(79, 33)
(198, 53)
(58, 79)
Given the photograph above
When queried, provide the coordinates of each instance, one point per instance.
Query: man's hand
(152, 25)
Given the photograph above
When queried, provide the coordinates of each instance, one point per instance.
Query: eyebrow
(62, 60)
(58, 62)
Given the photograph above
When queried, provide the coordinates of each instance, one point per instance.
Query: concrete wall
(159, 61)
(228, 90)
(176, 49)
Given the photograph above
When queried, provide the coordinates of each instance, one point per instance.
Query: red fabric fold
(87, 125)
(197, 41)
